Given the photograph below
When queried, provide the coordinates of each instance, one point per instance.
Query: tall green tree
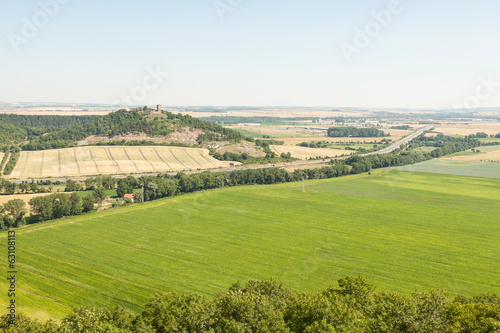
(16, 208)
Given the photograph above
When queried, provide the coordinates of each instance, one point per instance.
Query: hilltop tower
(158, 108)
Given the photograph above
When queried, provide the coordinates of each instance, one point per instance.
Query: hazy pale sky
(407, 53)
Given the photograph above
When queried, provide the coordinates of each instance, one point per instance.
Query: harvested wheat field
(469, 128)
(486, 154)
(83, 161)
(305, 152)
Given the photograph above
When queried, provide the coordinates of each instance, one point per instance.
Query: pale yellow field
(293, 136)
(305, 152)
(469, 128)
(82, 161)
(24, 197)
(1, 156)
(487, 154)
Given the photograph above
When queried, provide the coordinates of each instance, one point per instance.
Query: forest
(355, 132)
(52, 132)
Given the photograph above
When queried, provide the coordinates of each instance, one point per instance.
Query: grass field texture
(306, 152)
(401, 231)
(82, 161)
(455, 167)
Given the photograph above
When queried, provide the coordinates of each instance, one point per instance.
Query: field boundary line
(110, 154)
(3, 166)
(191, 157)
(128, 156)
(147, 160)
(172, 152)
(41, 164)
(76, 161)
(161, 158)
(59, 157)
(206, 158)
(25, 163)
(93, 160)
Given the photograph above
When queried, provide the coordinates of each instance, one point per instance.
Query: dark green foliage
(402, 127)
(266, 143)
(11, 133)
(55, 206)
(88, 202)
(479, 135)
(14, 157)
(122, 122)
(4, 159)
(44, 123)
(99, 194)
(16, 210)
(8, 187)
(72, 186)
(355, 132)
(313, 144)
(268, 306)
(179, 313)
(445, 145)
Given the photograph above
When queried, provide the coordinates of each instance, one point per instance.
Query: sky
(333, 53)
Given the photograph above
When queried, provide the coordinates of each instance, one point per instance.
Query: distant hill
(122, 123)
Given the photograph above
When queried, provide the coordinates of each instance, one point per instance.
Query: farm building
(129, 196)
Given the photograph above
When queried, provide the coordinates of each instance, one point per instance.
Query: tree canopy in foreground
(268, 306)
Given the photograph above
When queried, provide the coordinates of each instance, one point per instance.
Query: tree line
(269, 306)
(13, 213)
(164, 185)
(355, 132)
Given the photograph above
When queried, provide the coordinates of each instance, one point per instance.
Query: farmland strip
(59, 157)
(76, 160)
(142, 154)
(25, 163)
(93, 160)
(41, 164)
(161, 158)
(191, 157)
(172, 152)
(207, 159)
(110, 157)
(135, 164)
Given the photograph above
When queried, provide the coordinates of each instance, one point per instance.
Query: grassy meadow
(457, 167)
(82, 161)
(402, 231)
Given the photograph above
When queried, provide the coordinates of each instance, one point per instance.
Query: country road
(387, 150)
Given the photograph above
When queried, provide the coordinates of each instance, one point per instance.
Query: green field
(250, 133)
(459, 168)
(402, 231)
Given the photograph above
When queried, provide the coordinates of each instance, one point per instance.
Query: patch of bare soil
(238, 148)
(183, 135)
